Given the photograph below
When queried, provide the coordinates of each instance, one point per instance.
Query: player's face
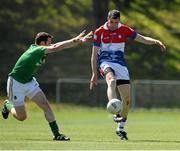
(113, 24)
(48, 42)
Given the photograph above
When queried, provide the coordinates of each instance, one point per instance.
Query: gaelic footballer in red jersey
(108, 57)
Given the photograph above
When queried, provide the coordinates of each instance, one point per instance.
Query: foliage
(20, 20)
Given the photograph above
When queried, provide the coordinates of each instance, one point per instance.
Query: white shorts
(121, 72)
(17, 91)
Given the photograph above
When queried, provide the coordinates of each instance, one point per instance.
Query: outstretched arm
(81, 38)
(150, 41)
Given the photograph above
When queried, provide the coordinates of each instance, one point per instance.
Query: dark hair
(42, 36)
(114, 14)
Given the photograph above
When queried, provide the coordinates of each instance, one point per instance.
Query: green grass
(92, 128)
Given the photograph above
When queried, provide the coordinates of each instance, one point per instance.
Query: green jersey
(27, 64)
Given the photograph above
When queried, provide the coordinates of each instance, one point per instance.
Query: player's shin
(8, 105)
(111, 90)
(6, 109)
(54, 128)
(125, 110)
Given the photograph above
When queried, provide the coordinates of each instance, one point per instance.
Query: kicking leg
(111, 83)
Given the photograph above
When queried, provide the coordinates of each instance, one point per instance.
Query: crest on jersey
(42, 61)
(119, 36)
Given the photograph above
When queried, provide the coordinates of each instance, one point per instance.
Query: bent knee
(112, 82)
(22, 118)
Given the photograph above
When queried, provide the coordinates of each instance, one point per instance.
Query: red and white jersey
(112, 43)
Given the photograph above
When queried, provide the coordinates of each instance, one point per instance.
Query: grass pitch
(92, 129)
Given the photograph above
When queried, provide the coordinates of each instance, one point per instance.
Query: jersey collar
(106, 27)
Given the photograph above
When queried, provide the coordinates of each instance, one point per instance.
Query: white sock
(121, 125)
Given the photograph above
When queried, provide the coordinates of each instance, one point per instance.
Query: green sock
(54, 128)
(9, 105)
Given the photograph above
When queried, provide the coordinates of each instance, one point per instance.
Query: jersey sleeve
(41, 50)
(130, 32)
(97, 38)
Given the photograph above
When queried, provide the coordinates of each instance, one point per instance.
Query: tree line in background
(20, 20)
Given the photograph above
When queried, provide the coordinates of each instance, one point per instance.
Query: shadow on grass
(38, 139)
(156, 141)
(95, 140)
(72, 140)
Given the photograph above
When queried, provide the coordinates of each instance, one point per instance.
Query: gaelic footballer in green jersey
(22, 83)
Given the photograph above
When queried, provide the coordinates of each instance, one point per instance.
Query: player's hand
(94, 81)
(79, 37)
(82, 37)
(88, 36)
(159, 43)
